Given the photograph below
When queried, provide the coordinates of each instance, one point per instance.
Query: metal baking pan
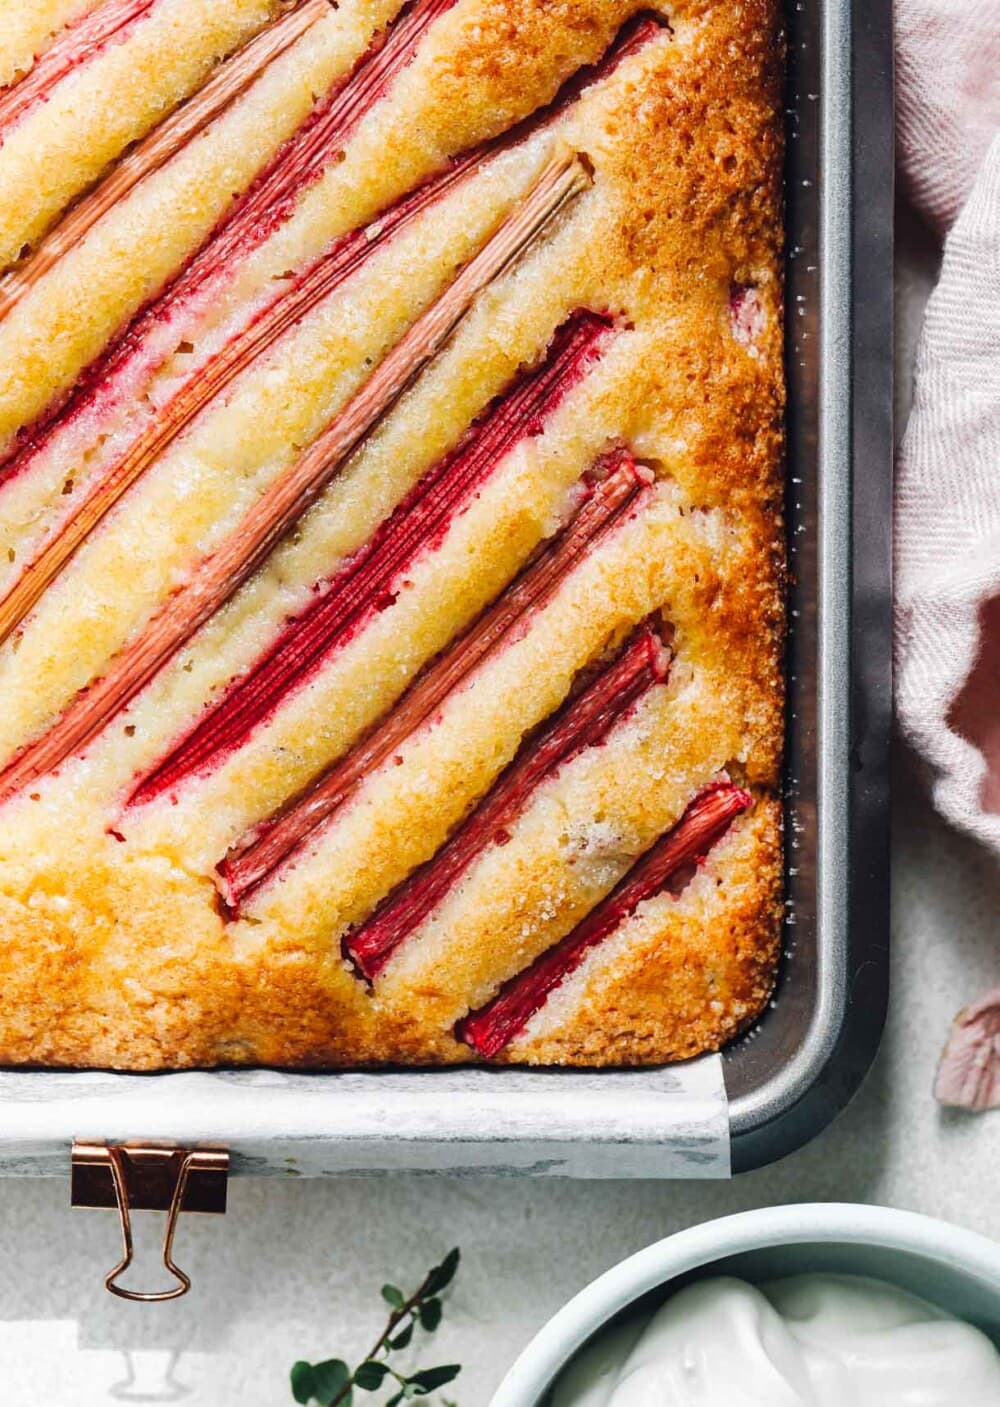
(809, 1055)
(780, 1084)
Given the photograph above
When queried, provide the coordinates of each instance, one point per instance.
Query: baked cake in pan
(391, 594)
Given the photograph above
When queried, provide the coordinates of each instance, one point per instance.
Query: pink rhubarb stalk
(83, 41)
(269, 324)
(583, 722)
(263, 849)
(214, 580)
(490, 1029)
(369, 580)
(119, 378)
(232, 79)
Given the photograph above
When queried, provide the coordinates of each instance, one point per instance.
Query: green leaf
(431, 1378)
(442, 1275)
(303, 1381)
(430, 1314)
(393, 1296)
(403, 1337)
(395, 1400)
(370, 1375)
(330, 1379)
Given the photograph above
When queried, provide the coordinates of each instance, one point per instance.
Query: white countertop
(294, 1269)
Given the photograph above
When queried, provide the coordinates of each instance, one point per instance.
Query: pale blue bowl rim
(845, 1223)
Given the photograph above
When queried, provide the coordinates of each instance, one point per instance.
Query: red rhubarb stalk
(490, 1029)
(260, 851)
(120, 375)
(231, 80)
(119, 380)
(301, 160)
(369, 579)
(270, 323)
(108, 383)
(305, 156)
(82, 42)
(583, 722)
(214, 580)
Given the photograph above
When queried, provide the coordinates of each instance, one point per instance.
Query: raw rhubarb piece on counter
(968, 1075)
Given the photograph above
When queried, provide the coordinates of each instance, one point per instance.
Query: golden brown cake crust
(115, 952)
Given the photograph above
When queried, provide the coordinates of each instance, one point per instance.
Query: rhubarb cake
(391, 547)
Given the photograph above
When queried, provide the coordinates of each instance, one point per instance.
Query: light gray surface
(294, 1269)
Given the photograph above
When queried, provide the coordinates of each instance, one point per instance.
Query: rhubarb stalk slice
(265, 847)
(583, 722)
(218, 576)
(271, 322)
(370, 578)
(231, 80)
(490, 1029)
(303, 158)
(123, 370)
(114, 381)
(82, 42)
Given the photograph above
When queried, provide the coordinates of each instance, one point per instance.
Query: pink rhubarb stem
(369, 580)
(584, 721)
(118, 380)
(120, 374)
(82, 42)
(217, 577)
(270, 323)
(304, 157)
(265, 847)
(490, 1029)
(232, 79)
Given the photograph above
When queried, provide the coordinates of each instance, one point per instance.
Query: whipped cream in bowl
(815, 1340)
(822, 1305)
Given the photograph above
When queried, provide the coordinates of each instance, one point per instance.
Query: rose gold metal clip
(145, 1178)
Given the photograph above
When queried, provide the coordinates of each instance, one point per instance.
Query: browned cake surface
(116, 947)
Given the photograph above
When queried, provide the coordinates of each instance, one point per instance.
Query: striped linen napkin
(948, 475)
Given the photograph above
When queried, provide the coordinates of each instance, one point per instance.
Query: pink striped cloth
(948, 475)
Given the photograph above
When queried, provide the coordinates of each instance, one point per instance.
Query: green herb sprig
(332, 1384)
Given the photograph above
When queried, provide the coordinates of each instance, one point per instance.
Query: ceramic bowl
(957, 1270)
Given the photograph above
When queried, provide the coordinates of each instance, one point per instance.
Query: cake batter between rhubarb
(391, 550)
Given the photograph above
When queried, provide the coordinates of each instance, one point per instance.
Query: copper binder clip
(145, 1178)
